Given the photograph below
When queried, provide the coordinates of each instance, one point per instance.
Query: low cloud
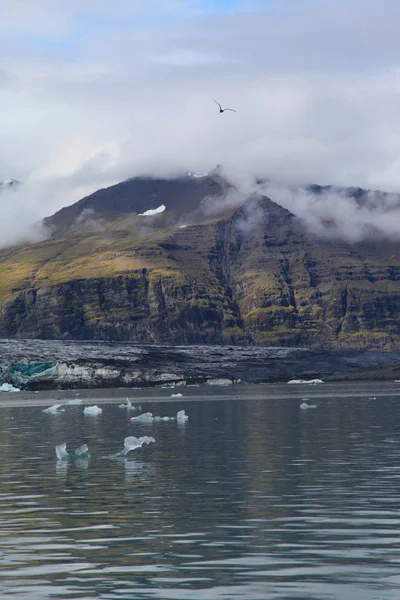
(335, 215)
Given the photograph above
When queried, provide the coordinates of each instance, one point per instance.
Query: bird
(221, 110)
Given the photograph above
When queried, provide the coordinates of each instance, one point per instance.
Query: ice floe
(81, 452)
(132, 442)
(146, 417)
(219, 382)
(181, 417)
(92, 410)
(176, 395)
(153, 211)
(128, 405)
(313, 381)
(53, 410)
(305, 406)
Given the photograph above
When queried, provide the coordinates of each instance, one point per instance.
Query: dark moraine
(39, 364)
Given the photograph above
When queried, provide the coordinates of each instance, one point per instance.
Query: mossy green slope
(230, 279)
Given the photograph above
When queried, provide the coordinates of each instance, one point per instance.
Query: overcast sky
(92, 95)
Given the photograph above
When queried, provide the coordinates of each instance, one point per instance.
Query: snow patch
(153, 211)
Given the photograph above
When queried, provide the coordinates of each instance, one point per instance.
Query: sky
(96, 91)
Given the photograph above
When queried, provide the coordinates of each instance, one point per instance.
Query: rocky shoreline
(48, 364)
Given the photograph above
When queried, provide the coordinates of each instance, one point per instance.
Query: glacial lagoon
(250, 498)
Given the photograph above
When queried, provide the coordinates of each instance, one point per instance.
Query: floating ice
(176, 395)
(92, 410)
(305, 406)
(7, 387)
(61, 451)
(82, 450)
(128, 405)
(132, 442)
(314, 381)
(219, 382)
(181, 416)
(164, 418)
(52, 410)
(73, 401)
(153, 211)
(146, 417)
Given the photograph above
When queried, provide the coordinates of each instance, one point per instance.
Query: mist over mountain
(198, 259)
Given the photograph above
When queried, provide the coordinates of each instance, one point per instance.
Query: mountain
(9, 184)
(211, 267)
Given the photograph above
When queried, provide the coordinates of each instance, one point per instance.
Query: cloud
(94, 92)
(334, 215)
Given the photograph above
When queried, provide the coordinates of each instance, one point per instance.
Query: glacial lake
(252, 498)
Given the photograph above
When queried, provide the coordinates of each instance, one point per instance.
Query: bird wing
(217, 103)
(231, 109)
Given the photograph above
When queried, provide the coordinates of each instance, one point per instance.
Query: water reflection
(253, 498)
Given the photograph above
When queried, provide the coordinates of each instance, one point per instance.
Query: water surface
(253, 498)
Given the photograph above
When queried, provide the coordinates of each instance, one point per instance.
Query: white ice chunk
(73, 401)
(132, 442)
(164, 418)
(7, 387)
(82, 450)
(176, 395)
(153, 211)
(219, 382)
(61, 451)
(52, 410)
(305, 406)
(146, 417)
(128, 405)
(313, 381)
(181, 416)
(92, 410)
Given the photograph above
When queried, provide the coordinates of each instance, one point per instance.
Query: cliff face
(247, 275)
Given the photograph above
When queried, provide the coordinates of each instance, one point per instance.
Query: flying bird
(221, 110)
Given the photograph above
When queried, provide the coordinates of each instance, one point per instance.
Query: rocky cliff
(212, 268)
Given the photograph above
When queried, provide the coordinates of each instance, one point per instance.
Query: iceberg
(61, 451)
(80, 453)
(92, 410)
(132, 442)
(128, 405)
(181, 416)
(305, 406)
(53, 410)
(7, 387)
(219, 382)
(312, 381)
(153, 211)
(82, 450)
(146, 417)
(176, 395)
